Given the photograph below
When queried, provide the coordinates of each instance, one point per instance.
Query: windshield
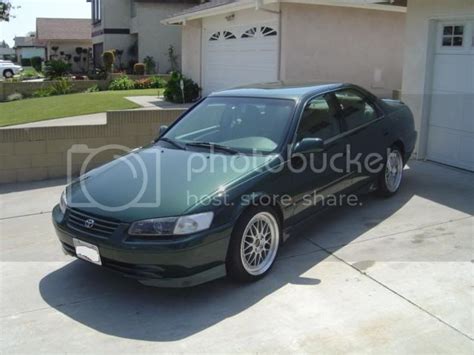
(241, 123)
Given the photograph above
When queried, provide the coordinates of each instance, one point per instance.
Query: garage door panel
(243, 60)
(454, 72)
(468, 113)
(447, 110)
(451, 117)
(448, 146)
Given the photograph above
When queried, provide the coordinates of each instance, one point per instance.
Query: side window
(318, 120)
(355, 108)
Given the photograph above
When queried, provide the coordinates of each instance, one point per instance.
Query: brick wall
(28, 88)
(139, 77)
(31, 154)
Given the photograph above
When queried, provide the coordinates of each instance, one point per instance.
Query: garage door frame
(256, 18)
(432, 28)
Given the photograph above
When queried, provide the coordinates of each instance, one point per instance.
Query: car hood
(158, 182)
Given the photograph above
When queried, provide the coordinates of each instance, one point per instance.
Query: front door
(319, 176)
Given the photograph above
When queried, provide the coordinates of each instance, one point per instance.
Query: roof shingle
(63, 29)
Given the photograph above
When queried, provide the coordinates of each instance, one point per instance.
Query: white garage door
(451, 122)
(240, 55)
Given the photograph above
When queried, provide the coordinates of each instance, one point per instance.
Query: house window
(96, 11)
(250, 33)
(229, 35)
(263, 31)
(268, 31)
(453, 36)
(225, 35)
(215, 36)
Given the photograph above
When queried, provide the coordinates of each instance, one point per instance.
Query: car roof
(280, 89)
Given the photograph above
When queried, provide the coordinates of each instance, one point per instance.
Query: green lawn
(45, 108)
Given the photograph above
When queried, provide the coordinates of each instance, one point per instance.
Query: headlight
(63, 202)
(172, 225)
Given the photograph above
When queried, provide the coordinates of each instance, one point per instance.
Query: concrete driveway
(390, 276)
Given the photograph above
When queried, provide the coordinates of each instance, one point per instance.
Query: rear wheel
(391, 176)
(254, 244)
(8, 73)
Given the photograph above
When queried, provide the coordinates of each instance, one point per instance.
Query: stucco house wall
(125, 22)
(420, 29)
(69, 47)
(323, 43)
(329, 43)
(155, 38)
(191, 49)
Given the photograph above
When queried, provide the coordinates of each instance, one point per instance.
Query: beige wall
(28, 88)
(325, 43)
(191, 50)
(69, 47)
(154, 38)
(41, 153)
(420, 29)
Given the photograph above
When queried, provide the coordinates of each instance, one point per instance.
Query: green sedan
(221, 189)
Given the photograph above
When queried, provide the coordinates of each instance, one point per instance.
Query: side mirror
(309, 145)
(162, 130)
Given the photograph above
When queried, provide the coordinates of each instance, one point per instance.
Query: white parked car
(8, 69)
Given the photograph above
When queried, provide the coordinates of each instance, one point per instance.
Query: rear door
(364, 126)
(324, 175)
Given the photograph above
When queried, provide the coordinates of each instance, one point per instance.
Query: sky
(25, 20)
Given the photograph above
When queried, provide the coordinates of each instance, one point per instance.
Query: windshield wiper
(213, 146)
(173, 142)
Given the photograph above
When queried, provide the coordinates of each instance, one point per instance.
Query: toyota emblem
(89, 223)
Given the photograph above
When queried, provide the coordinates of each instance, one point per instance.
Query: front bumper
(181, 262)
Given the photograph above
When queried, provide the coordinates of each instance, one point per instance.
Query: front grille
(101, 226)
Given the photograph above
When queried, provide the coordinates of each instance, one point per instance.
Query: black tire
(384, 188)
(234, 264)
(8, 73)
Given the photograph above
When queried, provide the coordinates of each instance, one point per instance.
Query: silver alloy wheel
(394, 170)
(8, 74)
(259, 244)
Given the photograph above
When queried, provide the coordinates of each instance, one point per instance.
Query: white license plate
(86, 251)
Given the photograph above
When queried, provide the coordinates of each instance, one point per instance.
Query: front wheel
(391, 176)
(254, 245)
(8, 74)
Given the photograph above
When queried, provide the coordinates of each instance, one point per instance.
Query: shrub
(139, 69)
(157, 82)
(173, 59)
(29, 73)
(62, 86)
(43, 92)
(15, 97)
(56, 69)
(93, 88)
(154, 82)
(98, 74)
(150, 65)
(142, 84)
(173, 89)
(36, 63)
(108, 58)
(122, 83)
(25, 62)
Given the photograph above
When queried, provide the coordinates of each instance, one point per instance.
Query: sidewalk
(146, 103)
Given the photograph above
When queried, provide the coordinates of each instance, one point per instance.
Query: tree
(5, 10)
